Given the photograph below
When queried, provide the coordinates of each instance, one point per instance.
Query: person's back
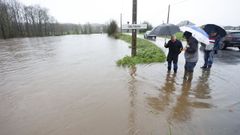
(191, 53)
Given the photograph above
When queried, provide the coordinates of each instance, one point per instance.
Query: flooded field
(70, 85)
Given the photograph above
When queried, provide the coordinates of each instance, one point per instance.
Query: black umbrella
(209, 28)
(165, 30)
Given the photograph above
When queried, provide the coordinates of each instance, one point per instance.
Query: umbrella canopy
(165, 30)
(209, 28)
(197, 32)
(185, 23)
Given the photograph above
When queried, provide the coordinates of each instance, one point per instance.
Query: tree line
(19, 20)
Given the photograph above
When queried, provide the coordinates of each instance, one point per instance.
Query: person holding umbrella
(220, 33)
(175, 47)
(217, 43)
(208, 51)
(165, 30)
(191, 55)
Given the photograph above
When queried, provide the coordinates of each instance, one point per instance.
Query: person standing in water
(191, 55)
(209, 50)
(175, 47)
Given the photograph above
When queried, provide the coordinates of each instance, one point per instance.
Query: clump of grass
(147, 52)
(124, 37)
(179, 36)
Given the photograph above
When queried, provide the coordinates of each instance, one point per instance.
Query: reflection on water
(202, 90)
(181, 106)
(230, 56)
(132, 129)
(132, 71)
(182, 110)
(165, 97)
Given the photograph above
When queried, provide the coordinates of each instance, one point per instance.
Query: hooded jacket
(191, 53)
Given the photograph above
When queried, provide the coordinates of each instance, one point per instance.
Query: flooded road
(70, 85)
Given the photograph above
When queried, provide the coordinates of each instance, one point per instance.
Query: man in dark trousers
(175, 48)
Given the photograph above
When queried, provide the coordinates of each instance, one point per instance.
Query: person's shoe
(185, 75)
(175, 71)
(204, 67)
(190, 76)
(209, 67)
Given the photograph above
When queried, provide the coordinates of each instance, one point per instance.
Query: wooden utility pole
(168, 13)
(134, 31)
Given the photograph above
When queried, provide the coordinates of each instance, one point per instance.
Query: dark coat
(191, 53)
(174, 50)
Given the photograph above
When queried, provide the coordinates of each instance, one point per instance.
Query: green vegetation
(112, 29)
(19, 20)
(147, 52)
(179, 36)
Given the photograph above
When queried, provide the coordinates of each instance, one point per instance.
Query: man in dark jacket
(191, 54)
(175, 48)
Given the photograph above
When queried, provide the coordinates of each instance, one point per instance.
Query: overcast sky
(221, 12)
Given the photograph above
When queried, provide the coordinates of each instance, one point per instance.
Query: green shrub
(147, 52)
(112, 29)
(179, 36)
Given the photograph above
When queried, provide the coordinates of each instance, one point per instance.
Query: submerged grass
(147, 52)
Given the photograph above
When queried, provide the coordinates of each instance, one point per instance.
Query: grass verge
(147, 52)
(179, 36)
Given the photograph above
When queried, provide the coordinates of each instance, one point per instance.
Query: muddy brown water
(70, 85)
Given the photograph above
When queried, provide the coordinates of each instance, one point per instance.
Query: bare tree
(18, 20)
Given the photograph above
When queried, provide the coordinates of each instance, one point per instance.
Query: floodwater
(70, 85)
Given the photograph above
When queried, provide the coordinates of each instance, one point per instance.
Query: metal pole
(168, 13)
(121, 23)
(134, 31)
